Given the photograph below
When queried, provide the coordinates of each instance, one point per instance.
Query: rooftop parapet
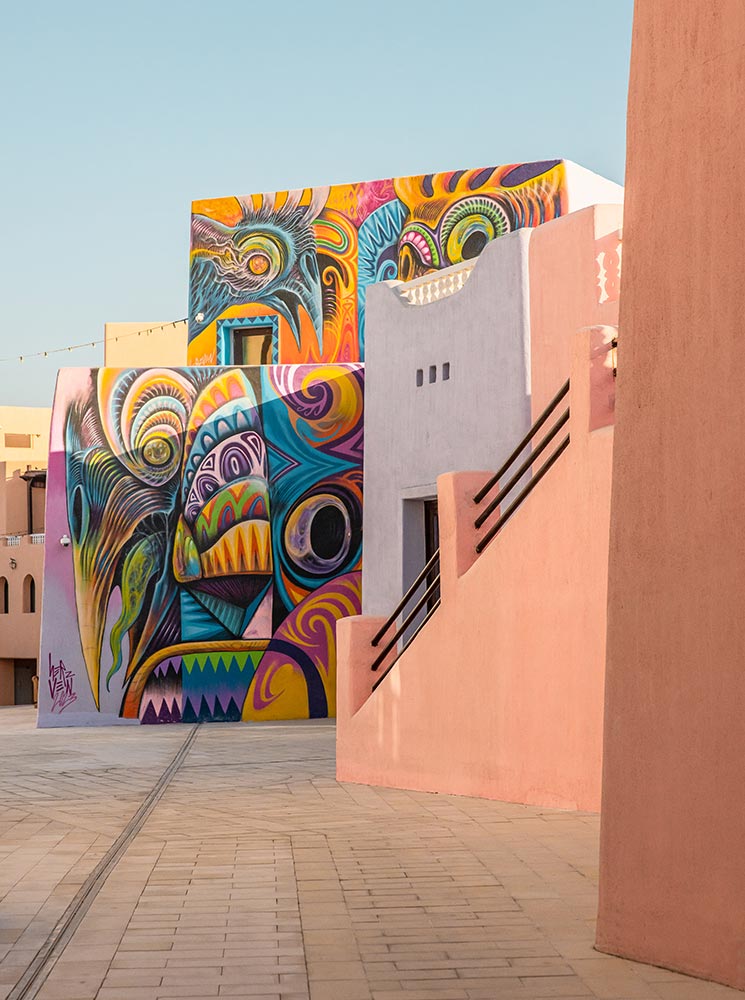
(281, 277)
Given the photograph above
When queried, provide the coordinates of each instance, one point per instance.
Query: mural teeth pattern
(244, 548)
(211, 687)
(161, 702)
(165, 713)
(203, 711)
(215, 685)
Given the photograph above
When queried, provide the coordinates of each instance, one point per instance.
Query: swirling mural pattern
(305, 258)
(219, 511)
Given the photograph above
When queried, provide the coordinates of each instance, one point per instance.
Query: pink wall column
(575, 267)
(501, 693)
(672, 874)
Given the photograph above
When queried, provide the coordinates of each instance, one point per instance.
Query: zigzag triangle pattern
(209, 686)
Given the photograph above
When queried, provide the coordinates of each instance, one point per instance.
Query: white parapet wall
(447, 388)
(587, 188)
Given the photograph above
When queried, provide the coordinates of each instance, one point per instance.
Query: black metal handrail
(489, 486)
(408, 642)
(502, 520)
(520, 471)
(430, 565)
(432, 592)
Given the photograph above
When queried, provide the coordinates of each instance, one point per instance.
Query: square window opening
(252, 345)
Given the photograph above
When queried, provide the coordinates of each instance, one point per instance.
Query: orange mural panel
(298, 263)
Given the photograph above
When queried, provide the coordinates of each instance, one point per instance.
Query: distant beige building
(24, 447)
(145, 345)
(24, 450)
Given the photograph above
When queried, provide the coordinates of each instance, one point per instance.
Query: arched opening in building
(29, 595)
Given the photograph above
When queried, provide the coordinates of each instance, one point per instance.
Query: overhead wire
(147, 330)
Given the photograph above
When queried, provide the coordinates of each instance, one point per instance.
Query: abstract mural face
(298, 263)
(215, 526)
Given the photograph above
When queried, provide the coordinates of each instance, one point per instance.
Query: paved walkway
(256, 875)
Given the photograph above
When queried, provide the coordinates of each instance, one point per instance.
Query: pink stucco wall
(672, 875)
(501, 694)
(575, 267)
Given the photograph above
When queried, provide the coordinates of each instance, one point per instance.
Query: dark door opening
(252, 345)
(23, 673)
(431, 545)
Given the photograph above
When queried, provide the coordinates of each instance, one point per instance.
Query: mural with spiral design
(300, 261)
(215, 526)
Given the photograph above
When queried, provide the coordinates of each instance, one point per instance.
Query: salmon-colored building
(672, 870)
(501, 692)
(24, 447)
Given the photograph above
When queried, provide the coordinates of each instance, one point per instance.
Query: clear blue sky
(115, 116)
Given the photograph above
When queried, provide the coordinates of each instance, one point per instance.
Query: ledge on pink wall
(575, 273)
(501, 694)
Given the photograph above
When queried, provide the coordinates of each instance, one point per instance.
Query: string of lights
(146, 330)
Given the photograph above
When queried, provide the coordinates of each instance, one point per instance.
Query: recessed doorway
(252, 345)
(23, 683)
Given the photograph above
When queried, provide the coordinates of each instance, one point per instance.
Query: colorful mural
(297, 263)
(214, 522)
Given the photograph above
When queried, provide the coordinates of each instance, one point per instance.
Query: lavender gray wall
(471, 421)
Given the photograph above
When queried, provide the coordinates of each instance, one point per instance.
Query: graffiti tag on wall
(60, 685)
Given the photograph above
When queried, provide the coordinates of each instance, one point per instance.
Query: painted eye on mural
(263, 255)
(470, 225)
(157, 451)
(259, 264)
(417, 253)
(318, 534)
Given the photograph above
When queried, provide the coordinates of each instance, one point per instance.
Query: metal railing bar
(522, 469)
(488, 486)
(521, 496)
(406, 622)
(432, 561)
(406, 645)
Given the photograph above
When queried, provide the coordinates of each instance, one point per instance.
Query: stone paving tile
(257, 875)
